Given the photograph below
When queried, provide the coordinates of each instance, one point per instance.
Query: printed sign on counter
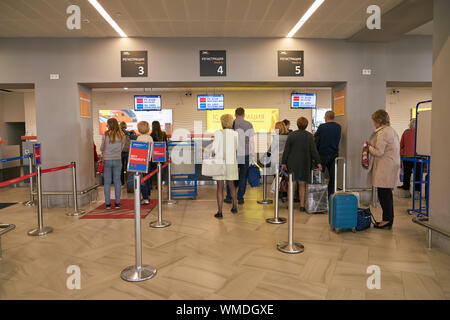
(138, 156)
(290, 63)
(159, 152)
(213, 63)
(133, 63)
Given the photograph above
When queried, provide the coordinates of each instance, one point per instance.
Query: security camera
(188, 93)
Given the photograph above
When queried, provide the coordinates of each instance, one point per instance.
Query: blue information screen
(138, 156)
(303, 101)
(147, 103)
(210, 102)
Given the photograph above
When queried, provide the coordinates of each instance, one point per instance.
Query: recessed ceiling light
(125, 88)
(305, 17)
(107, 17)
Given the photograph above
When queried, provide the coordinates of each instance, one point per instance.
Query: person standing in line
(287, 123)
(279, 144)
(125, 151)
(384, 165)
(112, 145)
(407, 143)
(224, 147)
(300, 156)
(327, 139)
(245, 152)
(159, 136)
(144, 129)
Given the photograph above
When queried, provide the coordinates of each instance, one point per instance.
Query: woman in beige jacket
(384, 167)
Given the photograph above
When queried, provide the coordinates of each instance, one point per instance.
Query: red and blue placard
(37, 154)
(159, 152)
(138, 156)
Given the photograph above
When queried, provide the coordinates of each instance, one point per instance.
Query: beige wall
(399, 105)
(185, 107)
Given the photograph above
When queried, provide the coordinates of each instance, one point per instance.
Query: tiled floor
(200, 257)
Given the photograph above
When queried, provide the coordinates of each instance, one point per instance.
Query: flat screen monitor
(303, 101)
(147, 103)
(210, 102)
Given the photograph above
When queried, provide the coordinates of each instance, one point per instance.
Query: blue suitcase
(343, 206)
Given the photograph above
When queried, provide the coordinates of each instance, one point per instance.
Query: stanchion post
(276, 218)
(160, 223)
(265, 200)
(138, 272)
(30, 169)
(76, 211)
(169, 200)
(290, 246)
(40, 230)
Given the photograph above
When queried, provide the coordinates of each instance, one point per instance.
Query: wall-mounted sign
(138, 156)
(159, 152)
(85, 105)
(213, 63)
(133, 63)
(262, 119)
(290, 63)
(37, 154)
(210, 102)
(339, 103)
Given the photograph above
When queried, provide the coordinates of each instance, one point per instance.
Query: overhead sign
(213, 63)
(263, 119)
(303, 101)
(159, 152)
(133, 63)
(147, 103)
(210, 102)
(37, 154)
(290, 63)
(138, 156)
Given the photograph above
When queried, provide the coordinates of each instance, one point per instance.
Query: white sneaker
(145, 202)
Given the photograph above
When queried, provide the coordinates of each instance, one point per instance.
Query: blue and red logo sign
(159, 152)
(37, 153)
(138, 156)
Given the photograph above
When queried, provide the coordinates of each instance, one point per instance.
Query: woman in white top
(224, 147)
(146, 187)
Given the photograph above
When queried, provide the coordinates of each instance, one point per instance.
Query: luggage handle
(312, 175)
(336, 174)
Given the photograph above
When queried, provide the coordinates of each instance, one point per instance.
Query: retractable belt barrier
(290, 246)
(276, 218)
(15, 158)
(160, 223)
(15, 180)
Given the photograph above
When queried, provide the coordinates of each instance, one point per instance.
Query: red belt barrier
(151, 174)
(15, 180)
(58, 168)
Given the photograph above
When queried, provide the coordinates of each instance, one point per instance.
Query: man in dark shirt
(327, 138)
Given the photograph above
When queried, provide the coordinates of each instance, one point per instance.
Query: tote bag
(213, 167)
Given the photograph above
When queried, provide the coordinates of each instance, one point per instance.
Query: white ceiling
(335, 19)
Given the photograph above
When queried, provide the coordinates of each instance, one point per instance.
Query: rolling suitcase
(343, 206)
(316, 194)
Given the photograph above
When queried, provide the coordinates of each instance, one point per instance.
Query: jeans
(328, 163)
(387, 203)
(111, 173)
(124, 167)
(243, 175)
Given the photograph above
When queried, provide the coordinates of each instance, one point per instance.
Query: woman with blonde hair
(384, 166)
(112, 146)
(146, 187)
(224, 147)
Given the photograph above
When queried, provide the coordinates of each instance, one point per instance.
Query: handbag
(213, 167)
(101, 163)
(365, 156)
(253, 175)
(364, 219)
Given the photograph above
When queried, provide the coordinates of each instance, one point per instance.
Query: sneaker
(227, 200)
(108, 207)
(234, 210)
(241, 201)
(218, 215)
(145, 202)
(117, 205)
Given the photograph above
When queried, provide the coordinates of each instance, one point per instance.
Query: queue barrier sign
(138, 156)
(159, 152)
(37, 154)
